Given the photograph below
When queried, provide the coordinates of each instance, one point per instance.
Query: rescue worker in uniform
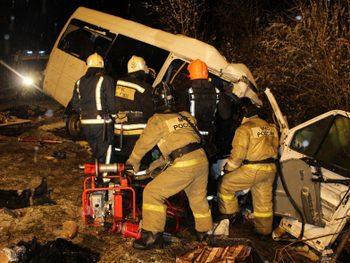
(251, 165)
(93, 99)
(187, 169)
(207, 105)
(202, 99)
(134, 99)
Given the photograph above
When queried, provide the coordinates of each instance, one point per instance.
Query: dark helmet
(247, 109)
(162, 96)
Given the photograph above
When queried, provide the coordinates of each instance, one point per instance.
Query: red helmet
(197, 70)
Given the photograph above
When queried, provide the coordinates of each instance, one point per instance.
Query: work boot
(149, 240)
(40, 194)
(41, 189)
(45, 198)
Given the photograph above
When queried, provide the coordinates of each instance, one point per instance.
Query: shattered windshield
(327, 141)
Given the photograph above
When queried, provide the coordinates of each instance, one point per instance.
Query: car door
(312, 189)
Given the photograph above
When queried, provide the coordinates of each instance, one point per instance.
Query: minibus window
(125, 47)
(80, 40)
(177, 76)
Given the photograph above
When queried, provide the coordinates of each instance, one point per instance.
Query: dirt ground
(24, 164)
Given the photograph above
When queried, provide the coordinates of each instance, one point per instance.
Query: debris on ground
(69, 229)
(5, 118)
(6, 121)
(57, 251)
(61, 155)
(24, 111)
(234, 250)
(40, 141)
(14, 199)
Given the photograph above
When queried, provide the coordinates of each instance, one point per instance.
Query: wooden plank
(17, 122)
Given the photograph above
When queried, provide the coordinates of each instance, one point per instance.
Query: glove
(135, 166)
(152, 72)
(227, 169)
(160, 162)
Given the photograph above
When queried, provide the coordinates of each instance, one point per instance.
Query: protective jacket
(188, 171)
(251, 165)
(93, 99)
(201, 99)
(134, 99)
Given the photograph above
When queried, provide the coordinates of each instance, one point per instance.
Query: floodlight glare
(28, 81)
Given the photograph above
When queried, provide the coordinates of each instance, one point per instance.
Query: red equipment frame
(126, 228)
(118, 200)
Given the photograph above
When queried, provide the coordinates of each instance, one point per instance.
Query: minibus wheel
(73, 127)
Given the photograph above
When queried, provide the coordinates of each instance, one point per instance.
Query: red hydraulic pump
(103, 201)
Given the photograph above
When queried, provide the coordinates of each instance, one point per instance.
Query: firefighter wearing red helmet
(202, 99)
(185, 168)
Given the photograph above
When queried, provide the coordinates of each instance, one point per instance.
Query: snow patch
(53, 126)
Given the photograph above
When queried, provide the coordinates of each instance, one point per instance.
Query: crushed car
(312, 190)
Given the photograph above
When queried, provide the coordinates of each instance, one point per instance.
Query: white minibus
(117, 40)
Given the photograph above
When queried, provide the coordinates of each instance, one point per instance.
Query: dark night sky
(35, 24)
(30, 24)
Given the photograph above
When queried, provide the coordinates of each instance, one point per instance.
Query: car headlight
(28, 81)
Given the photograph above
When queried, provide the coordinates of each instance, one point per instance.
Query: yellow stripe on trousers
(226, 197)
(268, 214)
(208, 214)
(155, 208)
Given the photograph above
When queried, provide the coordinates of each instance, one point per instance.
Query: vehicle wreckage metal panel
(315, 172)
(297, 178)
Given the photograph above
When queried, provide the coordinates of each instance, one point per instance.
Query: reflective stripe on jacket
(134, 94)
(95, 99)
(129, 129)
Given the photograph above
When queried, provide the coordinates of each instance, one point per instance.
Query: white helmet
(137, 63)
(95, 61)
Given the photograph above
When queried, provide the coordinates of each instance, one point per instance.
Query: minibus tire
(73, 127)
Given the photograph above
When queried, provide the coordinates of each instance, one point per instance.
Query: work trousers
(102, 150)
(193, 180)
(259, 178)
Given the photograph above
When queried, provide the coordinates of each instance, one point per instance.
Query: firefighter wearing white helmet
(137, 63)
(187, 168)
(133, 97)
(93, 99)
(95, 61)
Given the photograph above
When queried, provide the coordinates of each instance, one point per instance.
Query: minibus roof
(181, 45)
